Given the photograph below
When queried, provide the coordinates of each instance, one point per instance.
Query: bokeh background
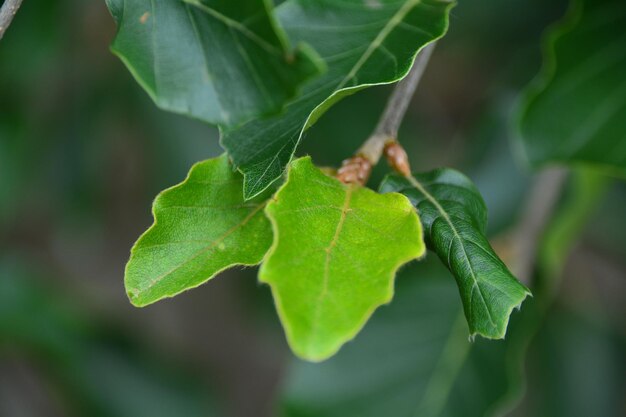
(83, 151)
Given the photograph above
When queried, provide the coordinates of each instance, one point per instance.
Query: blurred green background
(83, 151)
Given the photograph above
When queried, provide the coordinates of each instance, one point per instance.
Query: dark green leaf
(201, 227)
(363, 43)
(335, 254)
(221, 61)
(454, 217)
(575, 112)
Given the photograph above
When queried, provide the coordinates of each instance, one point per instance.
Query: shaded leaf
(577, 362)
(201, 227)
(221, 61)
(362, 42)
(454, 217)
(335, 253)
(575, 112)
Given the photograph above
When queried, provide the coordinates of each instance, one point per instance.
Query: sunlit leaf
(221, 61)
(454, 217)
(201, 227)
(363, 43)
(335, 254)
(575, 112)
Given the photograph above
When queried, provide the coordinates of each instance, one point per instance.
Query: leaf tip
(134, 296)
(500, 331)
(312, 356)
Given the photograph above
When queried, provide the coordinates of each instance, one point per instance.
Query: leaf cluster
(330, 251)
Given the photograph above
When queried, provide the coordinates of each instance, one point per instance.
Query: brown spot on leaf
(144, 18)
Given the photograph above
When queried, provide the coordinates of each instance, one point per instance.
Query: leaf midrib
(207, 248)
(344, 211)
(444, 214)
(231, 23)
(323, 294)
(395, 20)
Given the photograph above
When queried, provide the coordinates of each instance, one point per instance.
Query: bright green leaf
(335, 253)
(575, 112)
(454, 217)
(201, 227)
(363, 43)
(221, 61)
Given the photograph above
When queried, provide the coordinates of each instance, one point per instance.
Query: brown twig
(7, 12)
(384, 138)
(540, 205)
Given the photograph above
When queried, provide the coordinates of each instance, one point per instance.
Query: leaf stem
(384, 137)
(446, 371)
(391, 119)
(7, 13)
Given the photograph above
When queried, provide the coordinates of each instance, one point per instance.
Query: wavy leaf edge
(301, 49)
(459, 177)
(132, 293)
(544, 76)
(338, 95)
(386, 298)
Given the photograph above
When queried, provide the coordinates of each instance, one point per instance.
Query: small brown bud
(397, 158)
(355, 170)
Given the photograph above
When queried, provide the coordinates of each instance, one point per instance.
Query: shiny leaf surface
(454, 216)
(363, 43)
(221, 61)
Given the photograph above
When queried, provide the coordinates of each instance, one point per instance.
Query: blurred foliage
(83, 151)
(94, 369)
(582, 80)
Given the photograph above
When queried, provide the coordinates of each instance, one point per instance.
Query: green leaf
(335, 253)
(201, 227)
(454, 217)
(575, 112)
(221, 61)
(412, 359)
(363, 43)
